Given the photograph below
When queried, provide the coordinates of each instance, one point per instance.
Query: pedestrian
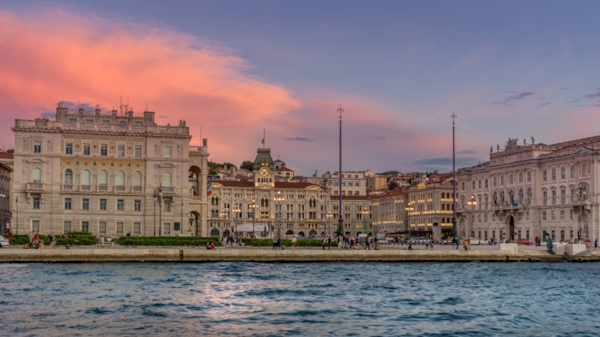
(30, 237)
(596, 244)
(339, 238)
(323, 242)
(456, 243)
(410, 246)
(466, 244)
(101, 241)
(294, 240)
(52, 240)
(329, 242)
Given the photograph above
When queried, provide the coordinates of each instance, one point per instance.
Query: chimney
(81, 110)
(114, 112)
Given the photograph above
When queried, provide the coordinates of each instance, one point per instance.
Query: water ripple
(261, 299)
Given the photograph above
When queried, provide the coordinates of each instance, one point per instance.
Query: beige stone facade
(431, 209)
(526, 190)
(389, 212)
(108, 174)
(5, 207)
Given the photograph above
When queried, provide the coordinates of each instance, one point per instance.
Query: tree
(248, 165)
(393, 185)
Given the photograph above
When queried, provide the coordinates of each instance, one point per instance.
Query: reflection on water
(299, 299)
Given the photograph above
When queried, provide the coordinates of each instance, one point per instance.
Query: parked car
(3, 241)
(524, 242)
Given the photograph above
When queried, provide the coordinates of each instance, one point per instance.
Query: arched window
(120, 178)
(137, 179)
(103, 178)
(529, 196)
(68, 177)
(264, 201)
(37, 175)
(502, 200)
(85, 177)
(521, 195)
(167, 180)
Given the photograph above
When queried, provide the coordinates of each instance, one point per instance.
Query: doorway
(511, 227)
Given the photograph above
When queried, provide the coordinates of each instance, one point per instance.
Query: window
(563, 174)
(584, 169)
(103, 178)
(120, 178)
(572, 171)
(67, 226)
(563, 196)
(167, 152)
(486, 183)
(85, 204)
(120, 228)
(510, 179)
(121, 150)
(544, 175)
(69, 148)
(120, 205)
(480, 183)
(562, 215)
(553, 174)
(103, 204)
(137, 228)
(544, 215)
(553, 197)
(36, 202)
(502, 180)
(528, 177)
(545, 200)
(37, 147)
(520, 177)
(167, 230)
(137, 179)
(35, 225)
(553, 215)
(85, 226)
(527, 215)
(167, 180)
(67, 203)
(86, 149)
(137, 205)
(167, 203)
(102, 227)
(176, 226)
(553, 235)
(494, 181)
(68, 177)
(85, 178)
(37, 175)
(571, 216)
(138, 151)
(473, 184)
(104, 150)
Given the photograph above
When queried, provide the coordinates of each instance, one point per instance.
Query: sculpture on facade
(511, 144)
(532, 140)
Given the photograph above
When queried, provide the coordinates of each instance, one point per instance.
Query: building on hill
(108, 174)
(377, 183)
(525, 191)
(353, 183)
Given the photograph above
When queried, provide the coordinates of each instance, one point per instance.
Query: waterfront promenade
(262, 254)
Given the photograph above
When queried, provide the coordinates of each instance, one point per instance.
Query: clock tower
(264, 169)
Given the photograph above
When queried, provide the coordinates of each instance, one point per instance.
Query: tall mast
(340, 230)
(453, 116)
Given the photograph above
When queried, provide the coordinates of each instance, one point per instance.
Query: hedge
(78, 239)
(285, 242)
(167, 241)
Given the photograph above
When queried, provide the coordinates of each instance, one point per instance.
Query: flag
(208, 193)
(495, 201)
(263, 141)
(514, 203)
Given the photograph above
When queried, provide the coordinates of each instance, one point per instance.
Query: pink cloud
(56, 55)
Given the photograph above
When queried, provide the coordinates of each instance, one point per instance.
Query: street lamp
(237, 211)
(253, 208)
(471, 203)
(409, 209)
(329, 216)
(364, 214)
(278, 200)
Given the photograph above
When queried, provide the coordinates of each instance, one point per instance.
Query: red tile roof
(6, 155)
(234, 183)
(283, 184)
(283, 168)
(351, 197)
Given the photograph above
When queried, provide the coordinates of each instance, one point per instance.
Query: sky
(232, 69)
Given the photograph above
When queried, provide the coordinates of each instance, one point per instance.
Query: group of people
(210, 246)
(237, 241)
(36, 242)
(350, 242)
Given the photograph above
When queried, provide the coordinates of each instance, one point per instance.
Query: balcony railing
(98, 189)
(34, 186)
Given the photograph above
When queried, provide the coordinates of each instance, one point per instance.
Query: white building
(108, 174)
(526, 190)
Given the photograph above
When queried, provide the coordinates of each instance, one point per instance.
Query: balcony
(34, 186)
(167, 190)
(100, 189)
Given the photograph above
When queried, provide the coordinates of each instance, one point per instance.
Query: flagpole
(453, 179)
(340, 230)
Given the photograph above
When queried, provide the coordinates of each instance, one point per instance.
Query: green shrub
(167, 241)
(285, 242)
(78, 239)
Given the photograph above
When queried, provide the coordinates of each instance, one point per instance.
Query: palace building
(108, 174)
(527, 190)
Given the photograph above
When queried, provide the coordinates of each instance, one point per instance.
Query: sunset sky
(233, 68)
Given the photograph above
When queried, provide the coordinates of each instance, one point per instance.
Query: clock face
(264, 173)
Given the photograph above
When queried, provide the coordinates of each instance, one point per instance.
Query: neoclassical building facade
(5, 207)
(390, 212)
(526, 190)
(108, 174)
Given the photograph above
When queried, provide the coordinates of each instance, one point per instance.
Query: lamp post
(471, 203)
(160, 194)
(409, 209)
(453, 116)
(155, 198)
(17, 228)
(236, 211)
(278, 200)
(582, 196)
(329, 216)
(253, 208)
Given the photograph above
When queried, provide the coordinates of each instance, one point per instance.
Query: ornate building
(431, 208)
(526, 190)
(389, 212)
(108, 174)
(5, 184)
(263, 207)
